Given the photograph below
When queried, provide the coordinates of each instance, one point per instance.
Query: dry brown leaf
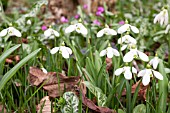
(2, 109)
(142, 90)
(87, 102)
(9, 61)
(44, 106)
(108, 63)
(55, 84)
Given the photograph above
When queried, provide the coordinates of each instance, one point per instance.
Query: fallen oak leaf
(89, 103)
(55, 83)
(44, 106)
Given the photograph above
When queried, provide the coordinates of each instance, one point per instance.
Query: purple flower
(44, 27)
(98, 13)
(77, 16)
(63, 19)
(96, 22)
(85, 6)
(121, 22)
(100, 9)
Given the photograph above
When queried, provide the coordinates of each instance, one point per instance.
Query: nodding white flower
(127, 72)
(106, 31)
(29, 22)
(110, 52)
(130, 41)
(127, 27)
(134, 53)
(162, 17)
(147, 73)
(79, 28)
(167, 29)
(50, 32)
(44, 70)
(65, 51)
(154, 62)
(10, 31)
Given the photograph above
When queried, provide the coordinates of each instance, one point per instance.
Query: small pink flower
(121, 22)
(44, 27)
(98, 13)
(100, 9)
(77, 16)
(96, 22)
(85, 6)
(63, 19)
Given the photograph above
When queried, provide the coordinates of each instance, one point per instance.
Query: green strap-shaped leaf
(11, 72)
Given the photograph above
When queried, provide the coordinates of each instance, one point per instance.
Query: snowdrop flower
(127, 72)
(147, 73)
(127, 27)
(167, 29)
(10, 31)
(44, 70)
(79, 28)
(162, 17)
(134, 53)
(106, 31)
(29, 22)
(128, 40)
(65, 51)
(50, 32)
(110, 52)
(154, 62)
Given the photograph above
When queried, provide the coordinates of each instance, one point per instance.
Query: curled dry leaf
(44, 106)
(142, 90)
(87, 102)
(55, 83)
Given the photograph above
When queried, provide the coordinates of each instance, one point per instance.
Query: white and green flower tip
(65, 51)
(162, 17)
(110, 52)
(167, 28)
(134, 53)
(29, 22)
(126, 28)
(10, 31)
(44, 70)
(78, 27)
(50, 32)
(128, 40)
(147, 73)
(126, 70)
(106, 31)
(154, 62)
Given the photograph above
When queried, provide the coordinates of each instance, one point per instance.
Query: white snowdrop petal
(54, 50)
(48, 32)
(167, 29)
(155, 63)
(132, 40)
(115, 52)
(128, 74)
(134, 29)
(56, 33)
(70, 28)
(143, 56)
(4, 32)
(166, 18)
(109, 54)
(134, 70)
(65, 53)
(17, 33)
(100, 33)
(83, 30)
(112, 32)
(128, 57)
(141, 73)
(123, 47)
(146, 79)
(121, 40)
(156, 18)
(118, 71)
(103, 52)
(123, 28)
(157, 75)
(69, 50)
